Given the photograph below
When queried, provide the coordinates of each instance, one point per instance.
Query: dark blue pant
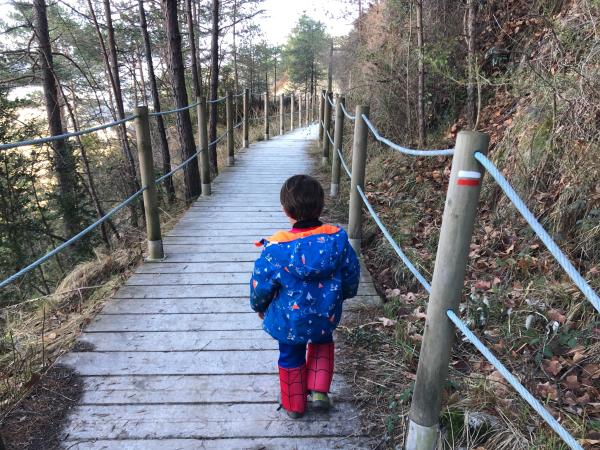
(291, 356)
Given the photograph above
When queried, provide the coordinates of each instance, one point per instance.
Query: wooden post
(246, 108)
(359, 160)
(448, 279)
(267, 115)
(292, 111)
(300, 111)
(321, 113)
(326, 128)
(337, 145)
(306, 108)
(203, 137)
(230, 136)
(144, 144)
(281, 115)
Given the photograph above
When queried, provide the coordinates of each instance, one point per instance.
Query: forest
(525, 72)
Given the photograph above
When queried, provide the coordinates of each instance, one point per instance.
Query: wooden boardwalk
(178, 360)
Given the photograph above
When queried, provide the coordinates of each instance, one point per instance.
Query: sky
(281, 16)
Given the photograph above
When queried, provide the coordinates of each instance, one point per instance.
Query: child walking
(298, 287)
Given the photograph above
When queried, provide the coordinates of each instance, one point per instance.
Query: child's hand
(261, 315)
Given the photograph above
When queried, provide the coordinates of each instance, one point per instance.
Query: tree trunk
(214, 86)
(160, 125)
(409, 129)
(114, 69)
(184, 122)
(234, 50)
(122, 130)
(64, 163)
(88, 173)
(190, 24)
(470, 35)
(421, 75)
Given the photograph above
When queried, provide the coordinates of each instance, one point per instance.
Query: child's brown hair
(302, 197)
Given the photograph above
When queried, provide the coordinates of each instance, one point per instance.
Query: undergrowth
(516, 299)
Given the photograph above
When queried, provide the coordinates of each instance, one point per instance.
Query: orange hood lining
(288, 236)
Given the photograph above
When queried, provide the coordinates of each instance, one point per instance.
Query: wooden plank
(175, 322)
(285, 443)
(205, 421)
(182, 389)
(181, 268)
(240, 208)
(158, 279)
(177, 306)
(198, 232)
(181, 341)
(208, 257)
(144, 279)
(245, 217)
(216, 291)
(201, 305)
(172, 363)
(208, 248)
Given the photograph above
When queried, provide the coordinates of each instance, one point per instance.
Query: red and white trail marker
(468, 178)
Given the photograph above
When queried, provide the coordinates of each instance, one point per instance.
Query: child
(298, 286)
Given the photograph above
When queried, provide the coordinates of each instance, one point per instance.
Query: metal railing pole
(448, 279)
(203, 155)
(326, 128)
(266, 130)
(321, 114)
(292, 111)
(144, 144)
(359, 160)
(281, 116)
(246, 108)
(337, 145)
(230, 136)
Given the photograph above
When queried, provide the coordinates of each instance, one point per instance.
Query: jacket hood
(314, 254)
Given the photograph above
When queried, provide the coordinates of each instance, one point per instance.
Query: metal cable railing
(171, 111)
(406, 151)
(329, 137)
(462, 327)
(61, 137)
(347, 114)
(117, 208)
(348, 172)
(72, 240)
(560, 257)
(218, 100)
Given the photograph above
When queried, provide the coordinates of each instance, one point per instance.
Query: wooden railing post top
(362, 109)
(141, 111)
(471, 139)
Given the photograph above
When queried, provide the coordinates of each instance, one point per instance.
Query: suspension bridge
(176, 360)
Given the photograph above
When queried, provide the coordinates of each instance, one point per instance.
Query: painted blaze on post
(468, 178)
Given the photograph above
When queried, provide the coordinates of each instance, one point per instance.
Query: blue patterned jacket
(301, 280)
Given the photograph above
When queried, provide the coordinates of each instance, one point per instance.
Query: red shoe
(319, 365)
(293, 390)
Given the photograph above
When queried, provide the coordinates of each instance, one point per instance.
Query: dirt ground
(35, 422)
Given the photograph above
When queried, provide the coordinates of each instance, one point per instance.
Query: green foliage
(303, 54)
